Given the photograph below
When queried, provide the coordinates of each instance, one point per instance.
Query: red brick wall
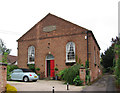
(94, 69)
(58, 50)
(64, 33)
(3, 77)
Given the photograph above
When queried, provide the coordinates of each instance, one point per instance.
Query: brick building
(55, 42)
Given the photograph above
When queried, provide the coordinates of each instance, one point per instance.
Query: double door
(50, 68)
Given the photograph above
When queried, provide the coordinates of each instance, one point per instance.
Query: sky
(18, 16)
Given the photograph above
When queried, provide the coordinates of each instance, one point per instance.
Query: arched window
(31, 55)
(70, 52)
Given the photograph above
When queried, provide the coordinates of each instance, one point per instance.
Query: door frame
(46, 63)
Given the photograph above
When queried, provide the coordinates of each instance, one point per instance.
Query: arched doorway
(50, 66)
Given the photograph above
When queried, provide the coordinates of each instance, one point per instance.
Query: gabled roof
(11, 59)
(49, 14)
(95, 39)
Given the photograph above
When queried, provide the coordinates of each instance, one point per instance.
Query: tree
(107, 58)
(3, 48)
(4, 51)
(116, 44)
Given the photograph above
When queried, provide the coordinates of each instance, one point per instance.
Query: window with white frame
(31, 55)
(70, 52)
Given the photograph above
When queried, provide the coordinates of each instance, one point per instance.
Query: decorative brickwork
(3, 76)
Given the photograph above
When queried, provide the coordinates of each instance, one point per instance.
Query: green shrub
(32, 67)
(70, 73)
(56, 69)
(118, 83)
(12, 67)
(61, 73)
(38, 69)
(79, 61)
(87, 77)
(10, 89)
(87, 64)
(77, 81)
(117, 68)
(82, 65)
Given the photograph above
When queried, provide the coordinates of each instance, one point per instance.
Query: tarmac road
(106, 83)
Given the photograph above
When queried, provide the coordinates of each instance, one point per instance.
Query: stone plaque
(49, 28)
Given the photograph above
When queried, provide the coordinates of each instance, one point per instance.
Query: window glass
(17, 71)
(70, 51)
(49, 57)
(31, 54)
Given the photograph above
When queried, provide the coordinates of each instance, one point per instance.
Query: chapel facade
(55, 42)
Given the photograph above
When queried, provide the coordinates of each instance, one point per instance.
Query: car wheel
(25, 79)
(34, 80)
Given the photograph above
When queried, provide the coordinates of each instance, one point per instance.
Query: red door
(52, 73)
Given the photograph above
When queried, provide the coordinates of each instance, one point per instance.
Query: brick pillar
(82, 74)
(3, 76)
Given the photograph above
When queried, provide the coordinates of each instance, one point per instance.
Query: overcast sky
(18, 16)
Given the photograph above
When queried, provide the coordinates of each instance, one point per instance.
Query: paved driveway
(106, 83)
(43, 85)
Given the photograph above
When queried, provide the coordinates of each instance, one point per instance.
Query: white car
(24, 75)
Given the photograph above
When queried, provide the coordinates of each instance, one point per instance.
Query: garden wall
(3, 76)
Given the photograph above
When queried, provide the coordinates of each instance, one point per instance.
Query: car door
(20, 74)
(17, 74)
(14, 74)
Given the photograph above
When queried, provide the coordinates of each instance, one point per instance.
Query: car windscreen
(27, 70)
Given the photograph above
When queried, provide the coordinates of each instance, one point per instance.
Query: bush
(32, 67)
(117, 68)
(87, 64)
(82, 65)
(38, 69)
(61, 73)
(70, 73)
(118, 83)
(87, 79)
(77, 81)
(56, 69)
(12, 67)
(10, 89)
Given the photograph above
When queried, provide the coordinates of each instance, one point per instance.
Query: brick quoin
(56, 41)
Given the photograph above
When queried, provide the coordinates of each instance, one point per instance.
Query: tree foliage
(3, 48)
(77, 81)
(116, 44)
(107, 57)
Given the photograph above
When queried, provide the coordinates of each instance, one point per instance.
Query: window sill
(71, 61)
(31, 63)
